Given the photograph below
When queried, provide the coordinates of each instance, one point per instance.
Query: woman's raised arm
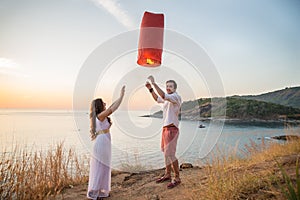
(113, 107)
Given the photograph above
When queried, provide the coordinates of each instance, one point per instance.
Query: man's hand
(148, 85)
(151, 78)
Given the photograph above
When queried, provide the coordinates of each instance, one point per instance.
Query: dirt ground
(142, 186)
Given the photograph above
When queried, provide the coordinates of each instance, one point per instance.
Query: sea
(135, 139)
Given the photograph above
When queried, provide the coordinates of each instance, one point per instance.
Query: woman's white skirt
(100, 167)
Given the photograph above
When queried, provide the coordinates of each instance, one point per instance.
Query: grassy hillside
(287, 97)
(236, 108)
(273, 105)
(248, 109)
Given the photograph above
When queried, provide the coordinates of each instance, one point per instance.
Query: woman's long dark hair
(95, 109)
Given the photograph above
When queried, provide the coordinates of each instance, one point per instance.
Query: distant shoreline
(236, 120)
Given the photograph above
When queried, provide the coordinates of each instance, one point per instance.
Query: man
(171, 108)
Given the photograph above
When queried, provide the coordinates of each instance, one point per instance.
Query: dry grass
(257, 176)
(36, 175)
(133, 165)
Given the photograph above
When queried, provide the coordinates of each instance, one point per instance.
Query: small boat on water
(201, 126)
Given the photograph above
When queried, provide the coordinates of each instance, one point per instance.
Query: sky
(254, 44)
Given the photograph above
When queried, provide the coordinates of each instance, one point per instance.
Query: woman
(100, 170)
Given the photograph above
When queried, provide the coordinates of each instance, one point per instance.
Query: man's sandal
(163, 179)
(173, 184)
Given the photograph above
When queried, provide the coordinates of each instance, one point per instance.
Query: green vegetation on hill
(287, 97)
(236, 108)
(249, 109)
(281, 104)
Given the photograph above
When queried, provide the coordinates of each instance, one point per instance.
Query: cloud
(114, 8)
(10, 68)
(7, 63)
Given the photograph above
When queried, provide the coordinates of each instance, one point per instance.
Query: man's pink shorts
(169, 140)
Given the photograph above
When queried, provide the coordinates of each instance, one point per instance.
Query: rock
(186, 166)
(154, 197)
(286, 137)
(205, 108)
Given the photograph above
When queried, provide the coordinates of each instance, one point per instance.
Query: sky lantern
(151, 40)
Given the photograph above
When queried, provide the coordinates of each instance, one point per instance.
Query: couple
(100, 170)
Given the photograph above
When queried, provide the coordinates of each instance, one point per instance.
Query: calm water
(135, 139)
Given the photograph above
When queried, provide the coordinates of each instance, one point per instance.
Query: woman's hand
(122, 91)
(93, 136)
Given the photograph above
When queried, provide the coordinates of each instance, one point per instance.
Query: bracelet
(151, 90)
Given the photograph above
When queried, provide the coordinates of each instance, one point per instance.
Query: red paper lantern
(151, 40)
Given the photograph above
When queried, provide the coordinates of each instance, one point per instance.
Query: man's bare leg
(168, 163)
(175, 166)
